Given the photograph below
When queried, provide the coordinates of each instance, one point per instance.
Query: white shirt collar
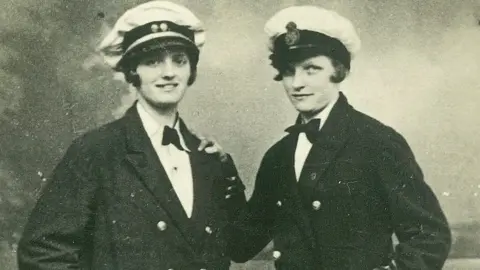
(153, 128)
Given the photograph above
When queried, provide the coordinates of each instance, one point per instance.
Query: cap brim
(154, 45)
(301, 52)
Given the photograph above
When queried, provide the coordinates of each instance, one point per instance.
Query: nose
(167, 70)
(297, 81)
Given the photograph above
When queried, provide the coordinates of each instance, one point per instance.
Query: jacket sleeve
(252, 229)
(418, 220)
(236, 201)
(58, 227)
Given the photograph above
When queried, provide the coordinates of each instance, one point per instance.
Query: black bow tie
(311, 129)
(170, 136)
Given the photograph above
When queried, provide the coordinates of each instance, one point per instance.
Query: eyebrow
(178, 53)
(310, 63)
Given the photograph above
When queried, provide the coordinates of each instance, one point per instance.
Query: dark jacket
(360, 184)
(110, 205)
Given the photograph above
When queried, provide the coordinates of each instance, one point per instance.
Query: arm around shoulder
(252, 227)
(234, 189)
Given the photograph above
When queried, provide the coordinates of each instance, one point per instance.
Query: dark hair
(131, 60)
(282, 61)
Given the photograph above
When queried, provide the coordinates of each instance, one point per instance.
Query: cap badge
(293, 35)
(154, 28)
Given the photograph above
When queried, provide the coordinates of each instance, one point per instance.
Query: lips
(162, 85)
(166, 86)
(301, 96)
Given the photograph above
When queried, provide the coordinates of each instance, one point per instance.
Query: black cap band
(155, 27)
(152, 46)
(314, 41)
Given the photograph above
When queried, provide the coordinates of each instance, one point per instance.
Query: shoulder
(278, 150)
(373, 130)
(382, 140)
(97, 143)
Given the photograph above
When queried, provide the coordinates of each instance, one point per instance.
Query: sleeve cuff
(228, 167)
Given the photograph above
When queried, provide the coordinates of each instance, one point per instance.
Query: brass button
(163, 27)
(316, 205)
(154, 28)
(276, 254)
(162, 225)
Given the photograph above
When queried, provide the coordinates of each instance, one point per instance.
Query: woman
(138, 193)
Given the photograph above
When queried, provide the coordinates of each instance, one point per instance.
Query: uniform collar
(154, 128)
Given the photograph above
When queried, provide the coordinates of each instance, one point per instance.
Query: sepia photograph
(238, 135)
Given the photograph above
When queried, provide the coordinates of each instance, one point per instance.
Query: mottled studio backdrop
(418, 71)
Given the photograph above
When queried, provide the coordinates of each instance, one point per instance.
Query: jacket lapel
(328, 143)
(143, 158)
(202, 175)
